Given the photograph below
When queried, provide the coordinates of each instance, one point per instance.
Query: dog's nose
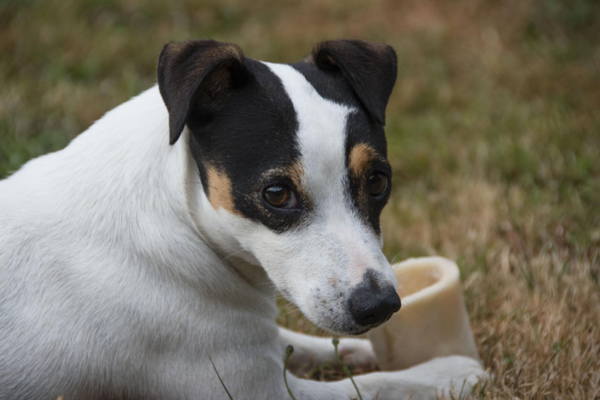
(371, 306)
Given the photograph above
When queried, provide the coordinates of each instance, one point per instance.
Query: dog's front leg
(435, 379)
(311, 351)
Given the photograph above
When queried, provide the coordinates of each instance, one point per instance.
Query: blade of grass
(288, 352)
(220, 380)
(336, 342)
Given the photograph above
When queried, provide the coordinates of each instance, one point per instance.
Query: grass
(494, 138)
(345, 368)
(289, 350)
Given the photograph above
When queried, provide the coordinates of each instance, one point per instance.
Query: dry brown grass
(534, 305)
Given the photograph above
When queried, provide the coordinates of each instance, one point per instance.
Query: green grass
(493, 128)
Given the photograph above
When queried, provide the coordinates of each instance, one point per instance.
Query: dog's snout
(371, 306)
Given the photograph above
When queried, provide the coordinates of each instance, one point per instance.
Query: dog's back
(47, 250)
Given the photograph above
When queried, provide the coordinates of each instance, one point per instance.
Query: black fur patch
(251, 139)
(370, 68)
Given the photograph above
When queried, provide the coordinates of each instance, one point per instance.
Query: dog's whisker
(265, 283)
(394, 258)
(295, 309)
(232, 254)
(313, 330)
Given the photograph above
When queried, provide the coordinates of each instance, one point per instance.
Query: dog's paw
(454, 374)
(440, 378)
(358, 355)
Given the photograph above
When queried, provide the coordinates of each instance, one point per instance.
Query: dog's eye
(280, 197)
(378, 184)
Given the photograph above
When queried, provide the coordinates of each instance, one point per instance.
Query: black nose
(371, 306)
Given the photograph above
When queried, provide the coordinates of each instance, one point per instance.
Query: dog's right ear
(197, 73)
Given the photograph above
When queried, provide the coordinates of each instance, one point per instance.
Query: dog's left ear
(198, 73)
(371, 69)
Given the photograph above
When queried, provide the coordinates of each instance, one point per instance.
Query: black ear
(193, 71)
(370, 68)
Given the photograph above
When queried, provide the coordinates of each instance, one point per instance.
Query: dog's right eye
(280, 197)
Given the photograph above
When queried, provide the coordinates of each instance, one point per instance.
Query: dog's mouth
(362, 330)
(358, 332)
(346, 325)
(349, 329)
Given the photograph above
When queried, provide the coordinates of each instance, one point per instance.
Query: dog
(143, 260)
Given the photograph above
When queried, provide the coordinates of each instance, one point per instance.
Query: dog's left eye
(280, 197)
(378, 184)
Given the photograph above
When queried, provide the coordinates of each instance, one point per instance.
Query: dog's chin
(345, 328)
(337, 321)
(356, 332)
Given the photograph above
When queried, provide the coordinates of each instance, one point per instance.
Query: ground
(493, 128)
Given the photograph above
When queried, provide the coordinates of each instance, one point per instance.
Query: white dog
(128, 266)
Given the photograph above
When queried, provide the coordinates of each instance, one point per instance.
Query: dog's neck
(208, 226)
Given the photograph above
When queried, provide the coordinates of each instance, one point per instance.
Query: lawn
(493, 130)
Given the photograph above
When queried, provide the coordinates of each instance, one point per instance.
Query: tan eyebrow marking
(360, 157)
(219, 190)
(296, 174)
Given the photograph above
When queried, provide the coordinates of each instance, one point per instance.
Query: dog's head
(293, 169)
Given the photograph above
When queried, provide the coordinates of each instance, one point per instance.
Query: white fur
(116, 270)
